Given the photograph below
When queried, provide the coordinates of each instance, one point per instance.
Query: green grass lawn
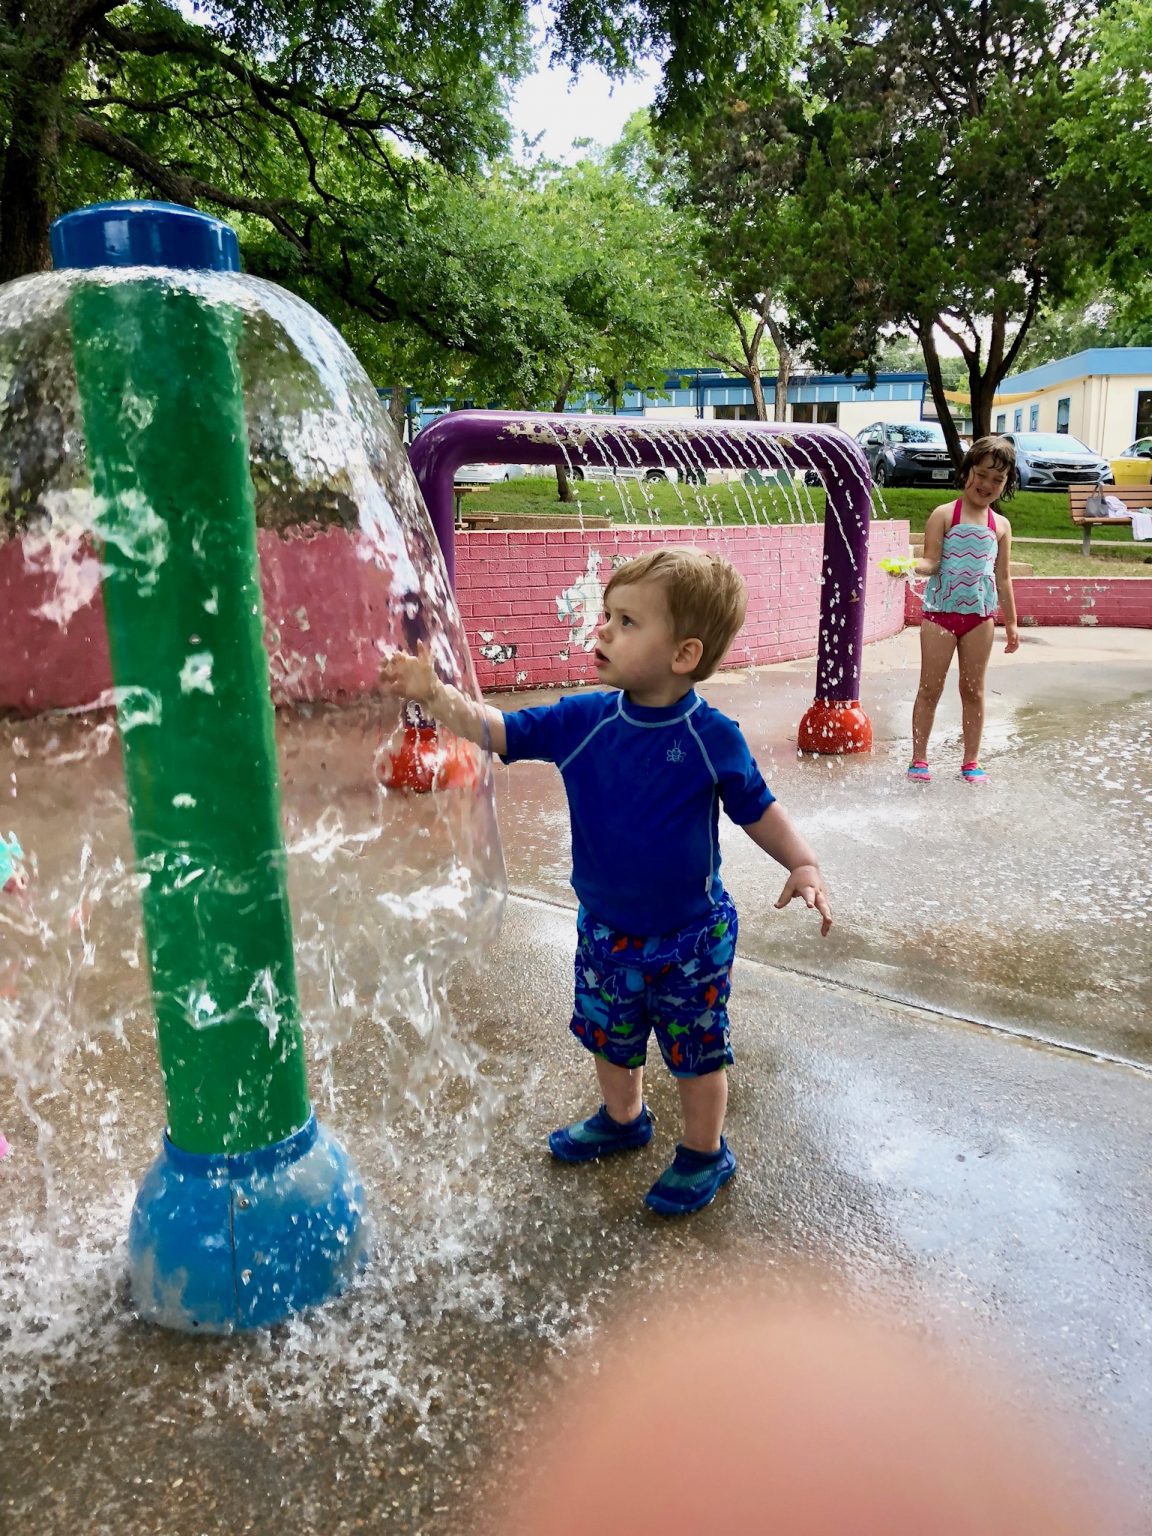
(1033, 514)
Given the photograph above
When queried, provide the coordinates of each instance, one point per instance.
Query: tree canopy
(297, 113)
(908, 170)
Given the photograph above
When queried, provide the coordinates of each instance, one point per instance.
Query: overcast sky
(591, 107)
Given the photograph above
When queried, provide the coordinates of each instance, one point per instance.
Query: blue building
(711, 395)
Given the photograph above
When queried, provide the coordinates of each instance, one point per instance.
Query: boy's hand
(807, 882)
(409, 677)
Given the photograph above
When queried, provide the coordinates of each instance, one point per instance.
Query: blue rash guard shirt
(644, 789)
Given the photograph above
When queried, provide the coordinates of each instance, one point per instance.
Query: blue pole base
(220, 1243)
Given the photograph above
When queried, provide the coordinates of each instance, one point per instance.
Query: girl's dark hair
(998, 452)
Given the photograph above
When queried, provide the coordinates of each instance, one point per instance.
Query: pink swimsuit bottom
(959, 624)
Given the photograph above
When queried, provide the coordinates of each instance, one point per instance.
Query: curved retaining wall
(528, 598)
(528, 601)
(1112, 602)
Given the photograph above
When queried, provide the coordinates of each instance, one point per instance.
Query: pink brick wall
(326, 608)
(525, 596)
(1117, 602)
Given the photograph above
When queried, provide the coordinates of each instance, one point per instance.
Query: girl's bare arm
(929, 562)
(1004, 590)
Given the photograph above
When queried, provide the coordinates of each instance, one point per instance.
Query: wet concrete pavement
(943, 1108)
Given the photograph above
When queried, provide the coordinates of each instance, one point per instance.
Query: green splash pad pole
(167, 445)
(168, 450)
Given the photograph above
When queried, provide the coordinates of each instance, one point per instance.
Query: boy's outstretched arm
(779, 838)
(413, 677)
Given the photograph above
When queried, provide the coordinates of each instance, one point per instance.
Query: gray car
(907, 453)
(1052, 461)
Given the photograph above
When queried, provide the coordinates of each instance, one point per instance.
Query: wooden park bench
(1134, 497)
(459, 492)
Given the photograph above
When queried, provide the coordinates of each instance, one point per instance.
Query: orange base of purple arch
(426, 761)
(835, 726)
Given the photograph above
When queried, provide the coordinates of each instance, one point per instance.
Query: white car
(487, 474)
(650, 472)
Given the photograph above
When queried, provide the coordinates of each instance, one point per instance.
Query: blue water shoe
(691, 1181)
(600, 1136)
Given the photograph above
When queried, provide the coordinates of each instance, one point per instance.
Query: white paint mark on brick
(580, 605)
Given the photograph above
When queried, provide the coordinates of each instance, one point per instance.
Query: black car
(907, 453)
(1049, 461)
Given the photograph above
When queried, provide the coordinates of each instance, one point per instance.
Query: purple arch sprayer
(835, 721)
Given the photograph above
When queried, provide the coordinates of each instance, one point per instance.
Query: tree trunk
(783, 379)
(981, 389)
(398, 409)
(936, 385)
(27, 188)
(757, 386)
(784, 363)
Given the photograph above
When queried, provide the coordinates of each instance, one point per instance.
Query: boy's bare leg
(703, 1101)
(622, 1089)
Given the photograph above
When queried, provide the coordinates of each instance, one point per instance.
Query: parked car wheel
(881, 475)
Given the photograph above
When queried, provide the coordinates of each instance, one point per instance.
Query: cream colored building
(1103, 397)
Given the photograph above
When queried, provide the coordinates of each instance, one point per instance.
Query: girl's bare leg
(974, 650)
(937, 648)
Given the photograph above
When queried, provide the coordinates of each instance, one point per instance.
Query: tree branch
(192, 42)
(178, 188)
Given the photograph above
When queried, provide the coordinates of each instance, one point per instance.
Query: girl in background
(967, 554)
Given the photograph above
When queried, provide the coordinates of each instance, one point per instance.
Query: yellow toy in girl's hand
(897, 566)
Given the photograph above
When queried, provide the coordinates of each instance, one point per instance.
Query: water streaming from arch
(835, 722)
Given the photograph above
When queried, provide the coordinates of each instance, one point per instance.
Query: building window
(1144, 413)
(822, 413)
(1017, 419)
(1063, 414)
(1033, 417)
(735, 413)
(1002, 422)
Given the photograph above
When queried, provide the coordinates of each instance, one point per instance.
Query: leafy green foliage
(905, 169)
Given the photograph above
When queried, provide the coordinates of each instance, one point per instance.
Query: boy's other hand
(409, 677)
(807, 882)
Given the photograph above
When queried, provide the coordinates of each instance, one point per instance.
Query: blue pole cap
(144, 235)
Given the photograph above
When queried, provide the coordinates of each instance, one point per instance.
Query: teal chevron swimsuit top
(966, 580)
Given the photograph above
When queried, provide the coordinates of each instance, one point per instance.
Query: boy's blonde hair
(707, 598)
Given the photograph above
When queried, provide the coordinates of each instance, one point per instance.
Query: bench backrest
(1133, 497)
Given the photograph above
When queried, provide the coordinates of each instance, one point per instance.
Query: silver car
(1052, 461)
(649, 472)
